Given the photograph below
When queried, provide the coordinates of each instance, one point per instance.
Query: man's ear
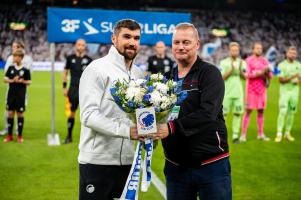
(113, 38)
(198, 44)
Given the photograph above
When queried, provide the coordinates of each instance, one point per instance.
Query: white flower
(161, 87)
(164, 99)
(171, 84)
(156, 77)
(173, 98)
(132, 83)
(164, 106)
(132, 92)
(139, 96)
(140, 81)
(155, 97)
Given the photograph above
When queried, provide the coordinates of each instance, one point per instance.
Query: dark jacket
(199, 135)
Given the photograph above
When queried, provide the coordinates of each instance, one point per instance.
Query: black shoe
(235, 141)
(67, 140)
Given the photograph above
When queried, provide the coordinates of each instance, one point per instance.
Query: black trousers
(73, 97)
(102, 182)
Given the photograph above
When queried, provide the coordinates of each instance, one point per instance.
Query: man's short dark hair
(126, 23)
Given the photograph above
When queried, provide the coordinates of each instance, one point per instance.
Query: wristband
(64, 85)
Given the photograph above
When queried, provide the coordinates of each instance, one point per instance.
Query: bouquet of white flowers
(161, 95)
(153, 91)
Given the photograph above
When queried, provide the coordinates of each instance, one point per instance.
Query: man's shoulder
(99, 64)
(243, 61)
(26, 69)
(11, 67)
(209, 69)
(298, 63)
(71, 56)
(249, 58)
(208, 66)
(88, 57)
(264, 59)
(153, 57)
(283, 62)
(168, 58)
(224, 61)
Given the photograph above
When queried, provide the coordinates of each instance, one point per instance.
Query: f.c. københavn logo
(146, 120)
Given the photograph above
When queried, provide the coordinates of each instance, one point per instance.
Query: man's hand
(134, 134)
(65, 92)
(21, 80)
(295, 76)
(15, 79)
(299, 79)
(162, 132)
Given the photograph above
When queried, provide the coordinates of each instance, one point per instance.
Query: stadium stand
(278, 29)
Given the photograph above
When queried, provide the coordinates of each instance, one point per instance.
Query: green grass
(33, 170)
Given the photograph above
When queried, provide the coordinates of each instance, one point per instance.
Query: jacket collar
(195, 66)
(118, 59)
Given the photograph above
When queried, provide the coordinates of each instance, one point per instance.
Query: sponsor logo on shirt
(90, 188)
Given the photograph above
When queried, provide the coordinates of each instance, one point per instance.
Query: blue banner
(96, 26)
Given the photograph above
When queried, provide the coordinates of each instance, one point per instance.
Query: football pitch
(34, 170)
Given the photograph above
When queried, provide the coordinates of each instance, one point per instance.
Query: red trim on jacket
(211, 160)
(172, 127)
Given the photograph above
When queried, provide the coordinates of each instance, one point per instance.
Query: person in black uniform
(159, 63)
(76, 64)
(18, 77)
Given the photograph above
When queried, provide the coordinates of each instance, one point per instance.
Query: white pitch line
(159, 185)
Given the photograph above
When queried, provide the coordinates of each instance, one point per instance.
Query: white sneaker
(278, 138)
(263, 138)
(242, 138)
(289, 137)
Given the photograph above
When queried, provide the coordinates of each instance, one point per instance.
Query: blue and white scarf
(130, 191)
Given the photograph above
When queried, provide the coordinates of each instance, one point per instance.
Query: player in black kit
(18, 77)
(76, 63)
(159, 63)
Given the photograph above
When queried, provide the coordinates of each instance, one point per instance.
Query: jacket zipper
(219, 141)
(121, 151)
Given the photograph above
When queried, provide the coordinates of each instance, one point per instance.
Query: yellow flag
(67, 107)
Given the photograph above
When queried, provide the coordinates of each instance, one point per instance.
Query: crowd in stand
(280, 30)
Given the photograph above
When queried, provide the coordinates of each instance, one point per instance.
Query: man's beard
(80, 52)
(129, 56)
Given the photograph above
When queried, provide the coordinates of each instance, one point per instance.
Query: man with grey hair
(106, 139)
(195, 139)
